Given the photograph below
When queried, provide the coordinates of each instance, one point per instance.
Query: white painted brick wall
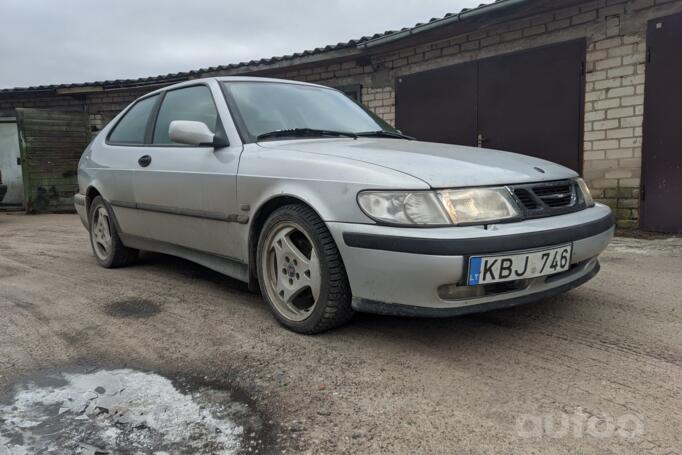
(613, 118)
(381, 101)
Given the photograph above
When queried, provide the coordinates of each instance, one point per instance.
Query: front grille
(525, 198)
(548, 198)
(555, 195)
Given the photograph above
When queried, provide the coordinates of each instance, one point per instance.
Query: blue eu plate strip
(474, 271)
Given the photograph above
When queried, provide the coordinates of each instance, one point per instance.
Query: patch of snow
(116, 410)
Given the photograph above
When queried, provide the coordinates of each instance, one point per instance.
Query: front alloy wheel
(292, 271)
(301, 273)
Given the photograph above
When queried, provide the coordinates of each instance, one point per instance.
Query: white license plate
(496, 269)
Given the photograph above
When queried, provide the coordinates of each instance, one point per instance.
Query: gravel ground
(598, 370)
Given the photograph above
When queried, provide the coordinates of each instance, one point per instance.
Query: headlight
(402, 207)
(479, 205)
(467, 206)
(585, 190)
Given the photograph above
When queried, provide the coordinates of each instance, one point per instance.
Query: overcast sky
(61, 41)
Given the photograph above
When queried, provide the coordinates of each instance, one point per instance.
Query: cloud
(48, 42)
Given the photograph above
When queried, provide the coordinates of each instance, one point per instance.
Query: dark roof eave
(438, 23)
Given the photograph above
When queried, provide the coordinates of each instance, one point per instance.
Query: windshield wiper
(383, 133)
(294, 132)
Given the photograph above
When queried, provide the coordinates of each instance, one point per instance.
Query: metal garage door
(662, 147)
(9, 163)
(532, 102)
(528, 102)
(439, 105)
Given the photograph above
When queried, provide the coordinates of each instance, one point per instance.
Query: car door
(112, 163)
(186, 195)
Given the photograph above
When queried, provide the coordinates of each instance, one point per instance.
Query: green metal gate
(51, 144)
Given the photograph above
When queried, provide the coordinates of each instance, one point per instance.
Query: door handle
(145, 161)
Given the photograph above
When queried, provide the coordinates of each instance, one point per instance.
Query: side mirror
(193, 133)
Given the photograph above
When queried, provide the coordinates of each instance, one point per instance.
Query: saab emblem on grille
(555, 195)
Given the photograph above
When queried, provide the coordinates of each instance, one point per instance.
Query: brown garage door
(531, 102)
(528, 102)
(662, 147)
(439, 105)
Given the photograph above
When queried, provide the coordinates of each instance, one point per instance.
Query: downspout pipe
(459, 17)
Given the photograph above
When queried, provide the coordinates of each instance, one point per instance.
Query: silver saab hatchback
(311, 198)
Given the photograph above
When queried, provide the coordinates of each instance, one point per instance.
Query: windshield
(267, 107)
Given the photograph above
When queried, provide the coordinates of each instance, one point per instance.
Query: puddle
(125, 412)
(132, 308)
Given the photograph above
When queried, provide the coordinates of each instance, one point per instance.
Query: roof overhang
(500, 6)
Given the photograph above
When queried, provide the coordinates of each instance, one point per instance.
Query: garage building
(593, 85)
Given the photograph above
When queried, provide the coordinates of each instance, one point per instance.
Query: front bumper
(400, 270)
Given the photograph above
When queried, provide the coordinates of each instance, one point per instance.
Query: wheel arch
(90, 194)
(256, 226)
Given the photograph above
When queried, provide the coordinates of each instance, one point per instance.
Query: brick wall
(9, 102)
(381, 101)
(614, 105)
(103, 106)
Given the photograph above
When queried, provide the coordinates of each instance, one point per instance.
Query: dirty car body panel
(205, 203)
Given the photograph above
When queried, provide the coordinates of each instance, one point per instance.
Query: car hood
(439, 165)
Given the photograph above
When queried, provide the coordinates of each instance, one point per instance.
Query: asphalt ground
(597, 370)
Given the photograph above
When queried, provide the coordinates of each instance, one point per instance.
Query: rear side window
(132, 127)
(191, 103)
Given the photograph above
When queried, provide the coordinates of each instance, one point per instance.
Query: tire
(107, 247)
(302, 300)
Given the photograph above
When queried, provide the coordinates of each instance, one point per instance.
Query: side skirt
(227, 266)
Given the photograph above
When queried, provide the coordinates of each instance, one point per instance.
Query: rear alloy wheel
(301, 273)
(106, 244)
(101, 234)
